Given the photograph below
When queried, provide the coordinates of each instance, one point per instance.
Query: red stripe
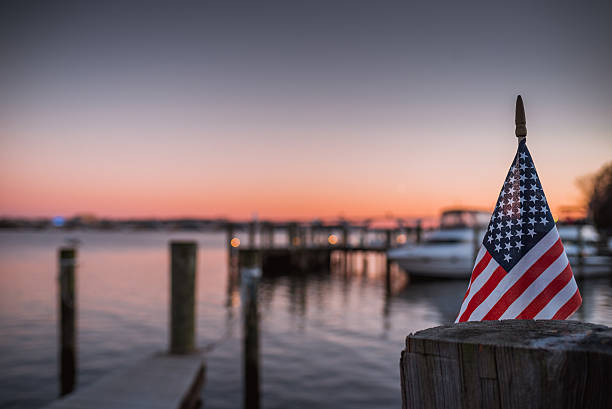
(546, 295)
(482, 264)
(569, 307)
(484, 261)
(525, 281)
(483, 293)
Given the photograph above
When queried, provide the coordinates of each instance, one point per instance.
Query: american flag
(521, 270)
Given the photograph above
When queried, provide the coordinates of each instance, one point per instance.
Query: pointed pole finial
(519, 119)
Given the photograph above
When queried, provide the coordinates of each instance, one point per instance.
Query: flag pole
(519, 120)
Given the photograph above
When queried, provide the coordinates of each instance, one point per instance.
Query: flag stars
(543, 220)
(534, 177)
(498, 237)
(519, 245)
(531, 232)
(533, 199)
(543, 209)
(532, 221)
(509, 235)
(498, 247)
(523, 155)
(507, 257)
(532, 210)
(508, 246)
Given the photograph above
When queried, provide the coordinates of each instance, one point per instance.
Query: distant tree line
(598, 193)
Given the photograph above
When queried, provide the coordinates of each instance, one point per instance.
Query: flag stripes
(540, 301)
(534, 288)
(569, 307)
(524, 281)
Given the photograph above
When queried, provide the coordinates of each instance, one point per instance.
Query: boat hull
(436, 268)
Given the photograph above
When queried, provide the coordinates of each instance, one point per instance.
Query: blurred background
(124, 125)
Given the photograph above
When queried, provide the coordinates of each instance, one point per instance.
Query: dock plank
(158, 382)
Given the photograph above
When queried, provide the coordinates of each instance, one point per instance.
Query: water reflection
(327, 339)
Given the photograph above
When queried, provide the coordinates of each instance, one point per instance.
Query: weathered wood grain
(508, 364)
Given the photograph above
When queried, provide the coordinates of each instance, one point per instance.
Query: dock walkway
(159, 382)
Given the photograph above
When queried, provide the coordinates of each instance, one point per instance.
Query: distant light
(58, 221)
(235, 242)
(332, 239)
(401, 239)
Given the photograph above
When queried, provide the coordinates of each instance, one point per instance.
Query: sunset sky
(295, 109)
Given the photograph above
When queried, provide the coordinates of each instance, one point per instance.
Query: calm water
(327, 340)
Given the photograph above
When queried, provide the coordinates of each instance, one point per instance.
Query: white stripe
(478, 283)
(557, 301)
(516, 273)
(536, 287)
(479, 256)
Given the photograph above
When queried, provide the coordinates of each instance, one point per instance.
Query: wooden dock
(171, 380)
(160, 382)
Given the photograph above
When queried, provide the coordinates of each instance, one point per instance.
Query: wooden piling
(345, 236)
(510, 364)
(67, 322)
(418, 231)
(389, 238)
(252, 227)
(250, 272)
(182, 296)
(476, 243)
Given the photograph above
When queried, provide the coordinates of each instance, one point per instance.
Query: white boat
(447, 252)
(583, 248)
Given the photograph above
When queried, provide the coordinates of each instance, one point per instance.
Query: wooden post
(271, 231)
(580, 244)
(231, 251)
(510, 364)
(475, 242)
(252, 234)
(389, 239)
(419, 231)
(387, 276)
(250, 263)
(292, 233)
(182, 296)
(345, 236)
(67, 322)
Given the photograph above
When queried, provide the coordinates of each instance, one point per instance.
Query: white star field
(521, 216)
